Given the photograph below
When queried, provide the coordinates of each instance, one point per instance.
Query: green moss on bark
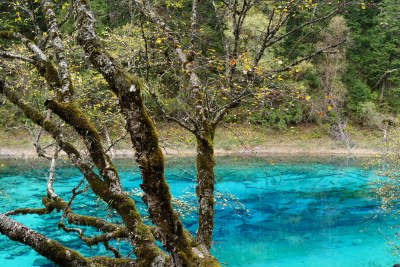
(6, 34)
(205, 188)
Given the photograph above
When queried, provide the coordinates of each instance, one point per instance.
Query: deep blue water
(269, 212)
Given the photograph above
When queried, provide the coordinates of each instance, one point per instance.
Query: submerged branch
(118, 233)
(44, 246)
(25, 211)
(53, 250)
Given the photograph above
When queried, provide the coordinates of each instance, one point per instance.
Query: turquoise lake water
(270, 212)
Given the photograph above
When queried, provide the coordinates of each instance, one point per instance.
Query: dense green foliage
(365, 88)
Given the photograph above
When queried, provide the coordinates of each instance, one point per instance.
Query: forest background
(342, 97)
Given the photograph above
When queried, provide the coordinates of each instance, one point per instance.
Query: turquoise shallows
(269, 212)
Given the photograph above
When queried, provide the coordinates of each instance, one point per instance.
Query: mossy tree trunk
(106, 183)
(200, 124)
(205, 188)
(43, 245)
(144, 139)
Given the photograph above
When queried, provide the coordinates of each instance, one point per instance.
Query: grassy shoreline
(232, 139)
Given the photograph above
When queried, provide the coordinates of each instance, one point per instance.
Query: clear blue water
(269, 212)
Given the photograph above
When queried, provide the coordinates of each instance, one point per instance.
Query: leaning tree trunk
(144, 138)
(205, 188)
(46, 247)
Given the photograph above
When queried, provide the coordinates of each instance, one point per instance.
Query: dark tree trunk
(205, 188)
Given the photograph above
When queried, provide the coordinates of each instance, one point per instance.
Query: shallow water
(269, 212)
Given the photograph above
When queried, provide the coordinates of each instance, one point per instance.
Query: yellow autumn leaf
(65, 5)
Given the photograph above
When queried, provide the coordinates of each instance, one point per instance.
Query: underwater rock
(19, 251)
(356, 242)
(43, 263)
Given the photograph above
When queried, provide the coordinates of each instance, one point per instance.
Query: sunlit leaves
(175, 4)
(65, 5)
(18, 17)
(158, 41)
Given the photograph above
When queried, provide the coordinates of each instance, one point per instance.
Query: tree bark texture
(46, 247)
(205, 189)
(143, 136)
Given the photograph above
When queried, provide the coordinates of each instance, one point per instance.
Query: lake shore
(235, 140)
(8, 152)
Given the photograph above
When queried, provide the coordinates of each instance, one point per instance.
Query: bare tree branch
(24, 211)
(6, 54)
(118, 233)
(189, 62)
(50, 191)
(54, 33)
(319, 51)
(269, 39)
(386, 73)
(186, 124)
(219, 114)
